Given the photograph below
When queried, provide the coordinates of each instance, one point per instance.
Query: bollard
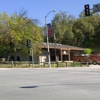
(73, 64)
(87, 64)
(57, 64)
(26, 65)
(13, 64)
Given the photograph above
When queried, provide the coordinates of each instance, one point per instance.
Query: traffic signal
(28, 43)
(87, 10)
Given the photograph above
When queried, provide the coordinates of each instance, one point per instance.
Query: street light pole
(49, 64)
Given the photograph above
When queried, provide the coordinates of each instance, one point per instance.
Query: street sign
(49, 27)
(96, 8)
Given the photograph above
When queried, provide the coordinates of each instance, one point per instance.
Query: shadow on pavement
(29, 87)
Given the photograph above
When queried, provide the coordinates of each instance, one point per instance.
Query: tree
(62, 27)
(14, 32)
(83, 30)
(88, 51)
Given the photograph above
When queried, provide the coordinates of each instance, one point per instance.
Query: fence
(29, 64)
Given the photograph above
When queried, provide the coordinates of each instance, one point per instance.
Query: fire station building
(58, 52)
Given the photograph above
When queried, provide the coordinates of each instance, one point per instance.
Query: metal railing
(28, 64)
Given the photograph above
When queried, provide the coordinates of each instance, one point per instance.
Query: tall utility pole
(49, 62)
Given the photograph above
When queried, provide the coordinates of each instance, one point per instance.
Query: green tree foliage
(83, 31)
(88, 51)
(62, 27)
(14, 32)
(95, 39)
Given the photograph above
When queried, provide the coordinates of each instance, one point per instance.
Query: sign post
(32, 59)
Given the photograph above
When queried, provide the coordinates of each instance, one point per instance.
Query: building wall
(15, 56)
(18, 56)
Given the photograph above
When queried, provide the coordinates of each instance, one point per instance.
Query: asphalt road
(50, 84)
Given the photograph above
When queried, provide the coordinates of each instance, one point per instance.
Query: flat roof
(61, 46)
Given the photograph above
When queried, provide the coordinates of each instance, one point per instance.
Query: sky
(38, 9)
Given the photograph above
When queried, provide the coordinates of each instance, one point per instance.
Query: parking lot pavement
(80, 83)
(94, 66)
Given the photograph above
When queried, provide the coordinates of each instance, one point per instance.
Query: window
(18, 58)
(30, 58)
(12, 58)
